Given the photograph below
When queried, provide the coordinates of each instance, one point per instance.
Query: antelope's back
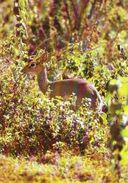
(65, 88)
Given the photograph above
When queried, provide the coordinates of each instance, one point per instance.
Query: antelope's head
(35, 67)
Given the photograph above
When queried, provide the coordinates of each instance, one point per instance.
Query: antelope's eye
(33, 65)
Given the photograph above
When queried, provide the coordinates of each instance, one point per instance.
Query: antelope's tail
(100, 101)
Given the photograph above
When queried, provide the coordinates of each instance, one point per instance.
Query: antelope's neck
(43, 80)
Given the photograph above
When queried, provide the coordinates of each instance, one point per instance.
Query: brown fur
(64, 88)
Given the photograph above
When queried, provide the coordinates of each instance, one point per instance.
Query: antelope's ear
(44, 57)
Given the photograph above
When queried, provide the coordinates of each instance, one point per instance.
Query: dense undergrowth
(46, 139)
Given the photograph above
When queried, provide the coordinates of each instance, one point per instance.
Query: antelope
(63, 88)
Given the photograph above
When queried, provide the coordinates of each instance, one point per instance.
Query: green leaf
(125, 133)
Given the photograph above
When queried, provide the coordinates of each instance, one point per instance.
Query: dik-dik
(63, 88)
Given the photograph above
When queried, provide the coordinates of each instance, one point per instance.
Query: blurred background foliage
(84, 39)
